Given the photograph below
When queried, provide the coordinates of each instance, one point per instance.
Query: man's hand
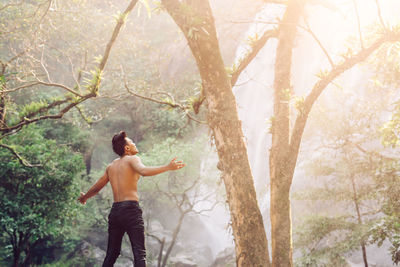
(175, 165)
(82, 198)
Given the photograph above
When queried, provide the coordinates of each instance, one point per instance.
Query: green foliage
(391, 129)
(388, 228)
(37, 203)
(252, 40)
(93, 84)
(299, 103)
(325, 240)
(322, 74)
(190, 152)
(353, 178)
(33, 107)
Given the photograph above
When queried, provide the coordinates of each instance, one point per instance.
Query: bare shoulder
(133, 158)
(109, 167)
(112, 163)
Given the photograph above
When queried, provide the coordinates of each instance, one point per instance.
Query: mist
(291, 160)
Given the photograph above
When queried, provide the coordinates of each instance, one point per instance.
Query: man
(126, 214)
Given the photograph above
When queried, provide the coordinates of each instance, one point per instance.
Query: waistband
(125, 203)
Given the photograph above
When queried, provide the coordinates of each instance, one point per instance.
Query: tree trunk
(281, 161)
(17, 253)
(17, 249)
(87, 156)
(359, 219)
(174, 237)
(2, 110)
(161, 252)
(196, 22)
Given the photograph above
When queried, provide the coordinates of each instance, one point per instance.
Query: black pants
(125, 216)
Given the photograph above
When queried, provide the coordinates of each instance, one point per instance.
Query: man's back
(123, 179)
(126, 214)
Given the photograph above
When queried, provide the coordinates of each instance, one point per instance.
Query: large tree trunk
(281, 163)
(196, 22)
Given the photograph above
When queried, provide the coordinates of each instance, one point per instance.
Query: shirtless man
(126, 214)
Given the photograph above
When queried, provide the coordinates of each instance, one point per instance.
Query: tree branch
(93, 88)
(380, 14)
(308, 29)
(11, 4)
(59, 115)
(172, 104)
(45, 84)
(19, 157)
(325, 80)
(60, 86)
(358, 23)
(372, 153)
(256, 47)
(117, 29)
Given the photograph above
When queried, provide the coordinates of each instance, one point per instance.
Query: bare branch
(40, 82)
(201, 212)
(372, 153)
(256, 47)
(21, 159)
(308, 29)
(171, 103)
(11, 4)
(43, 66)
(20, 87)
(380, 14)
(358, 23)
(60, 86)
(192, 185)
(115, 33)
(154, 236)
(18, 55)
(73, 75)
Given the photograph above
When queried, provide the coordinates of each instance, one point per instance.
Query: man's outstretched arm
(95, 188)
(150, 171)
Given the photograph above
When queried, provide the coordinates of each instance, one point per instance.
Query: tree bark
(281, 164)
(196, 22)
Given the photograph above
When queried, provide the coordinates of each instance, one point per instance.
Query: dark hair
(119, 143)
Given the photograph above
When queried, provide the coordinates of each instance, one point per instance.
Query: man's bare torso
(123, 179)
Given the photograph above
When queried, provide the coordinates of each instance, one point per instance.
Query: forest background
(74, 73)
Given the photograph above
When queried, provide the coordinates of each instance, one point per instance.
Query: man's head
(123, 145)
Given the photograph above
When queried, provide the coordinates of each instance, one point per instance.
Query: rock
(92, 252)
(225, 258)
(182, 261)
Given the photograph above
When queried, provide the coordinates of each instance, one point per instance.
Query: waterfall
(333, 24)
